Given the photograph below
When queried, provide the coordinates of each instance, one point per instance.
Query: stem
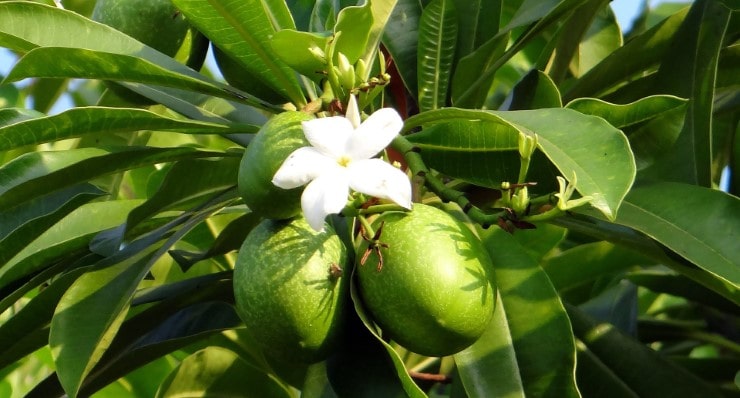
(377, 209)
(419, 169)
(424, 364)
(367, 228)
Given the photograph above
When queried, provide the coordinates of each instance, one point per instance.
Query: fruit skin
(285, 291)
(277, 139)
(434, 294)
(159, 25)
(155, 23)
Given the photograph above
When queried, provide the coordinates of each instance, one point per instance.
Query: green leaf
(88, 316)
(242, 29)
(22, 224)
(631, 361)
(478, 20)
(69, 236)
(204, 178)
(15, 115)
(489, 367)
(701, 37)
(77, 122)
(292, 46)
(230, 239)
(545, 12)
(33, 319)
(352, 30)
(436, 51)
(588, 262)
(602, 38)
(681, 286)
(401, 38)
(621, 116)
(637, 55)
(92, 310)
(164, 328)
(596, 379)
(539, 328)
(18, 32)
(535, 91)
(595, 151)
(19, 22)
(468, 69)
(215, 371)
(702, 227)
(482, 152)
(42, 62)
(38, 173)
(363, 345)
(381, 11)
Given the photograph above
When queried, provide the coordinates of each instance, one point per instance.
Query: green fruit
(277, 139)
(156, 23)
(159, 25)
(434, 294)
(288, 289)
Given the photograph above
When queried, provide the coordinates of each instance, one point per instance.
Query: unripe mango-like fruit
(290, 289)
(277, 139)
(434, 293)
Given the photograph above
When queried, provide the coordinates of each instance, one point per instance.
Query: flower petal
(377, 178)
(325, 195)
(329, 134)
(374, 134)
(353, 112)
(302, 166)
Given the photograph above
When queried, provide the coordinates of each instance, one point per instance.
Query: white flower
(340, 158)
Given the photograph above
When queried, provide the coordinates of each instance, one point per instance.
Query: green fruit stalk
(277, 139)
(434, 293)
(290, 289)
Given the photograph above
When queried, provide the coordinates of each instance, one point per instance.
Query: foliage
(587, 161)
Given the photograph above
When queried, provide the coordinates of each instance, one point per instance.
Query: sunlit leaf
(703, 226)
(76, 122)
(436, 50)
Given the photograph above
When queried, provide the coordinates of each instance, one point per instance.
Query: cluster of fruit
(425, 278)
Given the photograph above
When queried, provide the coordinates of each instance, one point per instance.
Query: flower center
(344, 161)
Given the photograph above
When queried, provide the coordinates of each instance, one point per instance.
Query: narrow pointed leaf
(631, 361)
(242, 29)
(228, 375)
(701, 37)
(625, 115)
(401, 38)
(77, 122)
(38, 173)
(69, 236)
(535, 91)
(19, 22)
(381, 10)
(204, 178)
(540, 331)
(702, 227)
(635, 56)
(22, 224)
(42, 62)
(489, 366)
(33, 318)
(436, 51)
(92, 310)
